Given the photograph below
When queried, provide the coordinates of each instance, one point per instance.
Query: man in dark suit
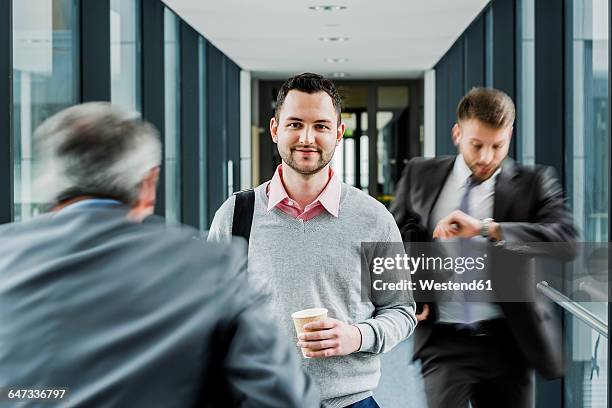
(124, 313)
(483, 352)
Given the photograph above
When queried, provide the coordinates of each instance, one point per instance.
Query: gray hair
(95, 149)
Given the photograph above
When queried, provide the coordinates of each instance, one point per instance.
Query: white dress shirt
(481, 206)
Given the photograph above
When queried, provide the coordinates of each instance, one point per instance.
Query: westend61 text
(404, 284)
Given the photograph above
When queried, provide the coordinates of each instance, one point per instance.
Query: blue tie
(464, 205)
(466, 245)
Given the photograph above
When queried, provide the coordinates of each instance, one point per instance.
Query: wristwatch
(484, 226)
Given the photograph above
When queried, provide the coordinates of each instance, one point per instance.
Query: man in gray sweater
(304, 248)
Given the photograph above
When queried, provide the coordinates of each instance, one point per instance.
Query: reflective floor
(400, 383)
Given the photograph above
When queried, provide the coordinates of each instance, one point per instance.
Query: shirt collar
(276, 189)
(329, 197)
(91, 202)
(462, 172)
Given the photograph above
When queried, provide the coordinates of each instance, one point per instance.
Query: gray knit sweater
(316, 263)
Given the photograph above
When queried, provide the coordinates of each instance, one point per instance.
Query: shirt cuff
(368, 337)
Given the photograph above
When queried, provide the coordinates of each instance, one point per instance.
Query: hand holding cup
(328, 337)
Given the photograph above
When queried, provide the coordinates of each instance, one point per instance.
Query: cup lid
(313, 312)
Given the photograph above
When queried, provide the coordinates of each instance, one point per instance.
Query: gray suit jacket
(137, 315)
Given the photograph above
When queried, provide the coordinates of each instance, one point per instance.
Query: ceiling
(277, 38)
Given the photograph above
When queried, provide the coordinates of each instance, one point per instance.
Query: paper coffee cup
(302, 317)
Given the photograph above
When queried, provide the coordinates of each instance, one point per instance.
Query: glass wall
(364, 149)
(392, 123)
(387, 105)
(44, 82)
(525, 70)
(587, 141)
(350, 155)
(586, 182)
(140, 71)
(489, 47)
(172, 131)
(561, 69)
(343, 165)
(125, 53)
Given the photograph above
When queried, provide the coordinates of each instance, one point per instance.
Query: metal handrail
(574, 308)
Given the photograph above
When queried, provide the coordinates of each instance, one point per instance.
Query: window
(44, 82)
(364, 160)
(586, 179)
(172, 131)
(489, 47)
(525, 106)
(125, 53)
(392, 122)
(587, 141)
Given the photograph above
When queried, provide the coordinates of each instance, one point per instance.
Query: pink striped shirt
(328, 200)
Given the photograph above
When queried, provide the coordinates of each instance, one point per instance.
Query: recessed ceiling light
(334, 39)
(327, 8)
(336, 60)
(340, 74)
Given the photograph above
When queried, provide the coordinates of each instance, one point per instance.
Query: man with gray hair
(94, 311)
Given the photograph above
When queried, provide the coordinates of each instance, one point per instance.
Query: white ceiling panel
(277, 38)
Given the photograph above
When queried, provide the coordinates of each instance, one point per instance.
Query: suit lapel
(504, 188)
(432, 188)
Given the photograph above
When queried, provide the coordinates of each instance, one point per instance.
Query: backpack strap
(243, 213)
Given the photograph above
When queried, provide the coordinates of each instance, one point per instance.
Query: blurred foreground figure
(126, 314)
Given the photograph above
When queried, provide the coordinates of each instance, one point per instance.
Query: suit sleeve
(553, 223)
(261, 369)
(394, 317)
(407, 220)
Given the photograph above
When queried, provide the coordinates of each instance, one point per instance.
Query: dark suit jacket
(529, 206)
(137, 315)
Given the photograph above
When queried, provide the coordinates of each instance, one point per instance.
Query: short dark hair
(309, 83)
(490, 106)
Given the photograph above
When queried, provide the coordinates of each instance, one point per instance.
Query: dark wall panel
(549, 131)
(203, 133)
(233, 120)
(190, 174)
(441, 105)
(6, 131)
(504, 54)
(549, 83)
(450, 87)
(475, 54)
(95, 50)
(504, 23)
(414, 145)
(456, 90)
(217, 131)
(153, 78)
(268, 153)
(464, 66)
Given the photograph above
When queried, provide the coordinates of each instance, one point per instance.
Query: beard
(306, 166)
(477, 168)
